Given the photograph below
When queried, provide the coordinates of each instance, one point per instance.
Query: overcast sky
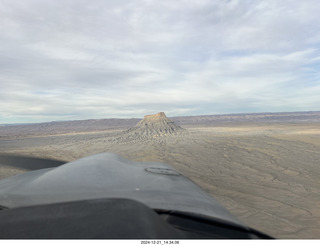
(90, 59)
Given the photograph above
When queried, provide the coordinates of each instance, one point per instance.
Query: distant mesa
(155, 117)
(157, 124)
(153, 126)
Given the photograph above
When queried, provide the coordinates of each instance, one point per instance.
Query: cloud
(94, 59)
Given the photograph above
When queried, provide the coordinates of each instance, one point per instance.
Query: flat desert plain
(265, 174)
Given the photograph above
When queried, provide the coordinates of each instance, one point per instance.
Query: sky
(92, 59)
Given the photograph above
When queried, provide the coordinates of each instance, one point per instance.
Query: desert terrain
(264, 168)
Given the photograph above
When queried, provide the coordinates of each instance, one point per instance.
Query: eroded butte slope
(153, 127)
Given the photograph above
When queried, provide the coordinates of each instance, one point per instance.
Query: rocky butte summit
(154, 126)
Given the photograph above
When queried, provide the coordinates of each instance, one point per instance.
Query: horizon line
(126, 118)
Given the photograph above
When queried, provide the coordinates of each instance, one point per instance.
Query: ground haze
(264, 168)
